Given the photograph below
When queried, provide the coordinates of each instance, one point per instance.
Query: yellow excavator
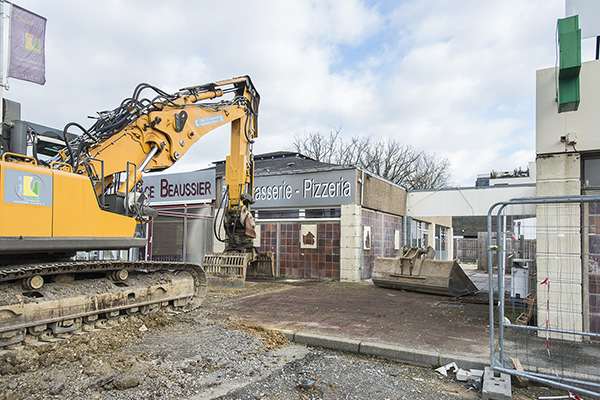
(66, 193)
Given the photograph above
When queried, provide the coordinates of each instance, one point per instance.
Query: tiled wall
(268, 237)
(383, 227)
(324, 261)
(320, 263)
(594, 268)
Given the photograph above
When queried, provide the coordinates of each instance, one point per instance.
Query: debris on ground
(271, 339)
(445, 368)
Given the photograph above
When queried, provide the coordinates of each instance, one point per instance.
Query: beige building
(568, 164)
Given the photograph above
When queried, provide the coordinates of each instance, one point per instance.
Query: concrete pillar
(559, 245)
(351, 243)
(450, 243)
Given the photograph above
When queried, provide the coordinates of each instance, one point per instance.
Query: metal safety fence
(545, 309)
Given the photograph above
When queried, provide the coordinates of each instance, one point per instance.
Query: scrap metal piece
(307, 385)
(445, 368)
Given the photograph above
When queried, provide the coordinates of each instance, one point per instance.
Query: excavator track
(41, 302)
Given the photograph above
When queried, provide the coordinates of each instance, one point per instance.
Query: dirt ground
(364, 311)
(223, 350)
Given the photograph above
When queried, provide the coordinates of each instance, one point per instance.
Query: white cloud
(454, 78)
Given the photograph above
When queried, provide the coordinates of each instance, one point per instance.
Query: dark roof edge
(475, 187)
(331, 167)
(277, 155)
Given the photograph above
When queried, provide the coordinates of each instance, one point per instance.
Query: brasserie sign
(325, 188)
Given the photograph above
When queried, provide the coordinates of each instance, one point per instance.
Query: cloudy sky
(455, 78)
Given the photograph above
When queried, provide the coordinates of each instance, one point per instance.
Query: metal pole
(185, 223)
(501, 256)
(3, 85)
(491, 286)
(1, 66)
(548, 382)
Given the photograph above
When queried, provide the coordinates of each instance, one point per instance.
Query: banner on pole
(27, 59)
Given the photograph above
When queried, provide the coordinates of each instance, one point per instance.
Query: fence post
(482, 250)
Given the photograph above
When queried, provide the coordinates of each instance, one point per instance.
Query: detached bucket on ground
(416, 270)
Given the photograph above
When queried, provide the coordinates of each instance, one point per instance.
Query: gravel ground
(338, 375)
(324, 374)
(192, 356)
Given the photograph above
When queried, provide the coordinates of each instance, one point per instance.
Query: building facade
(321, 221)
(568, 163)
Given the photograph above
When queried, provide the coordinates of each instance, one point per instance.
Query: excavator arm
(144, 135)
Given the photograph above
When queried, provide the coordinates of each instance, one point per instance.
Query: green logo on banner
(31, 188)
(33, 43)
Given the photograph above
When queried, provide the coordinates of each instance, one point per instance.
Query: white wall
(457, 202)
(585, 122)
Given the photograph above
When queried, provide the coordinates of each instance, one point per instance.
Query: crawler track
(49, 300)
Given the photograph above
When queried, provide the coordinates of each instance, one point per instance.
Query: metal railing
(548, 328)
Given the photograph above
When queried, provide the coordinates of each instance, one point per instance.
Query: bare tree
(399, 163)
(320, 146)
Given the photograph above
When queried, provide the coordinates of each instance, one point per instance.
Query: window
(323, 213)
(299, 214)
(278, 214)
(591, 173)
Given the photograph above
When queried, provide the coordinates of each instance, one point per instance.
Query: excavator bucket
(232, 269)
(415, 270)
(263, 267)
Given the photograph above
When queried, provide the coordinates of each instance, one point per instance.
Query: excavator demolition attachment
(231, 269)
(416, 270)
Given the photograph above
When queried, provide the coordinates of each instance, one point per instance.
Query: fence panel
(549, 320)
(465, 250)
(474, 251)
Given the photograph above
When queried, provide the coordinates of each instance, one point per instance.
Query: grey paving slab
(404, 354)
